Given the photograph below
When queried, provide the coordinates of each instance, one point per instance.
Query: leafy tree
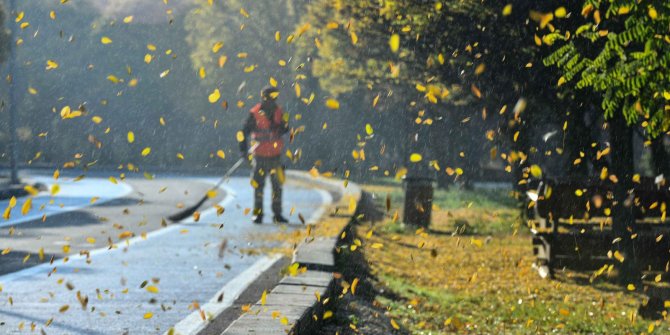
(620, 50)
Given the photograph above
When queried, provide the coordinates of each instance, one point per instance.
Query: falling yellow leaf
(535, 171)
(96, 119)
(51, 65)
(148, 315)
(32, 90)
(217, 47)
(394, 42)
(151, 289)
(146, 151)
(55, 188)
(354, 284)
(354, 38)
(221, 154)
(128, 19)
(368, 129)
(327, 315)
(332, 104)
(415, 158)
(202, 73)
(244, 12)
(214, 96)
(560, 12)
(264, 297)
(507, 10)
(394, 325)
(27, 205)
(148, 58)
(105, 40)
(90, 240)
(131, 137)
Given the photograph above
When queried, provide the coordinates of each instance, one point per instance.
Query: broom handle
(233, 169)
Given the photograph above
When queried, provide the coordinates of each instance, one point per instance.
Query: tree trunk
(621, 140)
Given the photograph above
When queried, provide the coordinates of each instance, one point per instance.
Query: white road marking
(326, 201)
(194, 323)
(84, 189)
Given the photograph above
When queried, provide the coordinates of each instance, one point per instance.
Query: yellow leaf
(52, 15)
(27, 205)
(244, 12)
(240, 136)
(131, 137)
(180, 155)
(113, 78)
(535, 171)
(332, 25)
(105, 40)
(96, 119)
(146, 151)
(202, 73)
(151, 289)
(653, 14)
(63, 308)
(148, 58)
(128, 19)
(90, 240)
(297, 90)
(151, 47)
(368, 129)
(507, 10)
(32, 90)
(630, 287)
(354, 284)
(217, 47)
(214, 96)
(375, 101)
(55, 188)
(221, 154)
(415, 158)
(148, 315)
(394, 325)
(273, 82)
(332, 104)
(51, 65)
(264, 297)
(31, 190)
(66, 248)
(394, 42)
(666, 95)
(327, 315)
(560, 12)
(284, 320)
(354, 38)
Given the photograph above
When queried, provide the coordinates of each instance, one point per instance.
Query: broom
(190, 210)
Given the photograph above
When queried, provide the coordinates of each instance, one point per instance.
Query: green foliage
(623, 55)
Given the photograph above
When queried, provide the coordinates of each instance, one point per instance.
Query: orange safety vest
(270, 143)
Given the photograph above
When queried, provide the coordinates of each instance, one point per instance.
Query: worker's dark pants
(262, 168)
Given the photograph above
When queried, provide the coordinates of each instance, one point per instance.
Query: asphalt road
(142, 284)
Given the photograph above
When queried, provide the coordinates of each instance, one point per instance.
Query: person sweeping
(266, 124)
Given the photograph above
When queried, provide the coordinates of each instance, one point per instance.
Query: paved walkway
(180, 263)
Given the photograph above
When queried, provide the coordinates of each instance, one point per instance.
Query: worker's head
(269, 93)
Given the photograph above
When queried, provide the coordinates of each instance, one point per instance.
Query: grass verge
(433, 282)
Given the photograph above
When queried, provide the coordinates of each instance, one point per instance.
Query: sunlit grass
(483, 282)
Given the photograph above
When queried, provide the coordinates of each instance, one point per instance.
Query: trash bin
(418, 200)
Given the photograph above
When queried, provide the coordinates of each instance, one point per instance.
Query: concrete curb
(298, 303)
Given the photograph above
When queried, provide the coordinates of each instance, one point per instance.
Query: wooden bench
(571, 223)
